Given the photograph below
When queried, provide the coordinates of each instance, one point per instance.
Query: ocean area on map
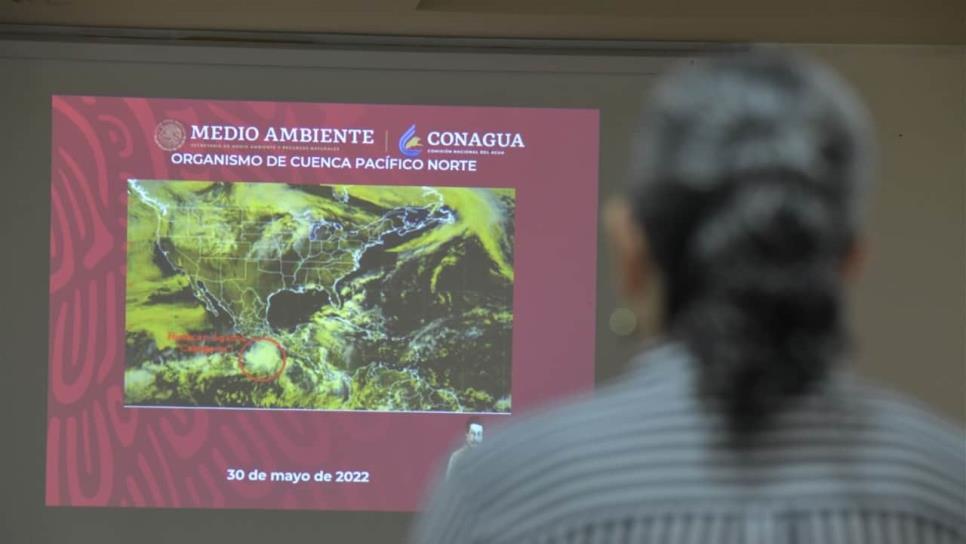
(321, 297)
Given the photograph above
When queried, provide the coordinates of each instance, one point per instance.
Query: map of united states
(236, 261)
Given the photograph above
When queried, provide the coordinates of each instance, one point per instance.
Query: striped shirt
(648, 461)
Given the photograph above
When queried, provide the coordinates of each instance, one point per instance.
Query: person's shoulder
(547, 462)
(903, 448)
(457, 453)
(890, 413)
(654, 388)
(548, 455)
(903, 423)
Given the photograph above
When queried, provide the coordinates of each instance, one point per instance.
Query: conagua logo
(170, 135)
(409, 143)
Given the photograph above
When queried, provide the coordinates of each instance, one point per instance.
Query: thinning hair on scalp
(749, 188)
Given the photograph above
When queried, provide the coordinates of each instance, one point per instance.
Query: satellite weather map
(324, 297)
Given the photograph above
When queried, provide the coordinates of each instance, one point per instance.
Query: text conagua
(475, 139)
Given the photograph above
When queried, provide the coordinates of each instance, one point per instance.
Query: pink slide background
(101, 453)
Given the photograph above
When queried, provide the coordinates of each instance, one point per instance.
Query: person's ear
(854, 262)
(629, 247)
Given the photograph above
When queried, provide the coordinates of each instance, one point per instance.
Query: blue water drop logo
(410, 144)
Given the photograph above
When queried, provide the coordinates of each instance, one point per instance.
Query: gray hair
(749, 189)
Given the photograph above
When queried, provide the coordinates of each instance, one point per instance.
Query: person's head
(474, 432)
(745, 213)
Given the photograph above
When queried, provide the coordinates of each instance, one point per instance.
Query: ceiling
(815, 21)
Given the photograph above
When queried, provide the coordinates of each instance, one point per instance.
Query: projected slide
(282, 305)
(319, 296)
